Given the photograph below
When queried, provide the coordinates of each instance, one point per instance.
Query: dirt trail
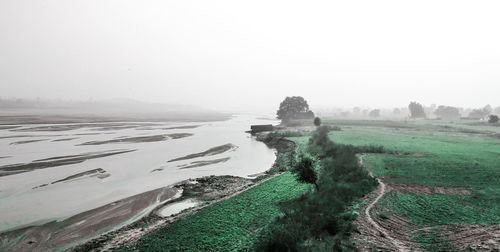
(380, 192)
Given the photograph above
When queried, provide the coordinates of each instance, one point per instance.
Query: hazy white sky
(244, 55)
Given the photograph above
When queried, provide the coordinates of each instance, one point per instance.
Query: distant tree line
(480, 113)
(296, 108)
(447, 112)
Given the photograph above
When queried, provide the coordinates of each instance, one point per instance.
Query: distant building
(261, 128)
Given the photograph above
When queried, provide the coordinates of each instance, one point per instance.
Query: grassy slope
(456, 156)
(228, 225)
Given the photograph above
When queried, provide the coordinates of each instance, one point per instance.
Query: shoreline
(136, 215)
(80, 226)
(132, 232)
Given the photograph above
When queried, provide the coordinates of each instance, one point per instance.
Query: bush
(305, 169)
(320, 215)
(317, 121)
(493, 119)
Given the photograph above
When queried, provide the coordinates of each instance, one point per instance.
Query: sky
(249, 55)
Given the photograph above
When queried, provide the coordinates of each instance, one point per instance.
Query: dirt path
(383, 232)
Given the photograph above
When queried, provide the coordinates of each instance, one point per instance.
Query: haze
(249, 55)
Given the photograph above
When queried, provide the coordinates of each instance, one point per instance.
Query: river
(97, 164)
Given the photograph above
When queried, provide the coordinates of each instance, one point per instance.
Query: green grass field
(230, 225)
(450, 154)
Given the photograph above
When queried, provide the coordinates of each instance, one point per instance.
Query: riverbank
(43, 200)
(207, 190)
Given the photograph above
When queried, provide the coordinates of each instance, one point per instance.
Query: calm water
(177, 207)
(24, 201)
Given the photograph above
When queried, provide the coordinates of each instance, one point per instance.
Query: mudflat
(85, 225)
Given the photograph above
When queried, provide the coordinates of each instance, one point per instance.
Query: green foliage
(283, 162)
(431, 240)
(442, 209)
(305, 168)
(318, 219)
(285, 157)
(230, 225)
(433, 153)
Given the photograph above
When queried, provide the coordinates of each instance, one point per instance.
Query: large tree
(447, 112)
(416, 110)
(294, 107)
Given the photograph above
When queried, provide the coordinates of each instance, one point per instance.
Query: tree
(294, 107)
(497, 110)
(416, 110)
(488, 109)
(447, 112)
(304, 169)
(317, 121)
(396, 111)
(480, 113)
(493, 119)
(375, 113)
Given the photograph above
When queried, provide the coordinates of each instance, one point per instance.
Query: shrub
(305, 169)
(493, 119)
(317, 121)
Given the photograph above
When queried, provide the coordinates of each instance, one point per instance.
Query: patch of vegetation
(319, 220)
(442, 209)
(230, 225)
(285, 156)
(431, 240)
(450, 154)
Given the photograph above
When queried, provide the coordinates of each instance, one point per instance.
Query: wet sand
(99, 173)
(12, 169)
(28, 141)
(86, 225)
(142, 139)
(210, 152)
(211, 188)
(203, 163)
